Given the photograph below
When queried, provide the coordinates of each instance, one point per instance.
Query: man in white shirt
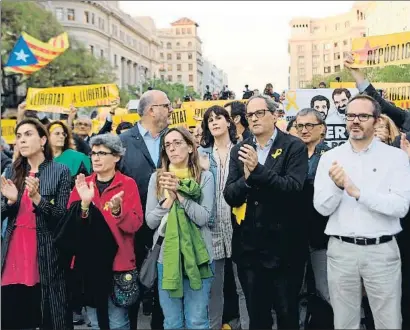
(364, 186)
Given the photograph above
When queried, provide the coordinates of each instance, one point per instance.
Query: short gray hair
(271, 104)
(85, 118)
(145, 101)
(110, 141)
(311, 111)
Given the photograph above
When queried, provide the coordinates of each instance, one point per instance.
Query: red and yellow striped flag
(42, 52)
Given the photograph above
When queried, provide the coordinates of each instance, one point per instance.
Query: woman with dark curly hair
(61, 141)
(218, 138)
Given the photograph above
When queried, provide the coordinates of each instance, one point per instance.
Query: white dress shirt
(382, 174)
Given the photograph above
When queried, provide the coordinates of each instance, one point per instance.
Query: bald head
(149, 98)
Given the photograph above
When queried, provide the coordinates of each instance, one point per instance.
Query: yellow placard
(58, 99)
(7, 130)
(399, 93)
(379, 51)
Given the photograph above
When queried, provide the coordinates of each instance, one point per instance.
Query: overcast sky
(246, 39)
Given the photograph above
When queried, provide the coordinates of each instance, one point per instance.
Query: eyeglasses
(176, 144)
(257, 113)
(99, 153)
(362, 116)
(308, 126)
(167, 105)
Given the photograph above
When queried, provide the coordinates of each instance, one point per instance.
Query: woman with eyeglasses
(104, 214)
(218, 138)
(35, 192)
(179, 206)
(63, 150)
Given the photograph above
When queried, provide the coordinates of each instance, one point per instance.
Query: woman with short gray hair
(116, 206)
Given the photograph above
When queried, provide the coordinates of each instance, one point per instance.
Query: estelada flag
(30, 54)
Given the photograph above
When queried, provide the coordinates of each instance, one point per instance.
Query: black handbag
(148, 273)
(126, 289)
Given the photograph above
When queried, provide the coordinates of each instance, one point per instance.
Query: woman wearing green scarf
(182, 194)
(63, 149)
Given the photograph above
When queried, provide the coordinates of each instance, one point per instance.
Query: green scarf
(185, 251)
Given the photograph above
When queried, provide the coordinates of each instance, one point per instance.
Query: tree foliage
(76, 66)
(393, 73)
(174, 91)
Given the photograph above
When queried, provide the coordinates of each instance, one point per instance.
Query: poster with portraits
(331, 103)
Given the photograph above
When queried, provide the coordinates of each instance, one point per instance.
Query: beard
(342, 109)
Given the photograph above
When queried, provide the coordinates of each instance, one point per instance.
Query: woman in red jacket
(117, 198)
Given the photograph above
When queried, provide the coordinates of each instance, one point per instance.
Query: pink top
(21, 266)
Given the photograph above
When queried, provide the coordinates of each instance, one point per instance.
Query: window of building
(301, 48)
(189, 30)
(345, 42)
(169, 46)
(336, 44)
(162, 77)
(161, 55)
(189, 56)
(179, 67)
(169, 78)
(316, 28)
(189, 44)
(92, 18)
(115, 60)
(326, 46)
(122, 35)
(178, 31)
(301, 71)
(179, 78)
(326, 57)
(315, 70)
(315, 47)
(114, 30)
(315, 59)
(337, 26)
(363, 34)
(183, 30)
(178, 44)
(128, 39)
(60, 13)
(102, 52)
(162, 44)
(347, 24)
(178, 56)
(325, 28)
(169, 67)
(337, 68)
(169, 57)
(92, 49)
(327, 69)
(101, 23)
(301, 60)
(302, 84)
(191, 78)
(70, 14)
(190, 67)
(337, 56)
(134, 43)
(140, 47)
(86, 17)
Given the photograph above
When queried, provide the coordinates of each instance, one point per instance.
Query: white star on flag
(21, 56)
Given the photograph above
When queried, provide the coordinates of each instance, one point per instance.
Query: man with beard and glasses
(322, 104)
(364, 188)
(142, 158)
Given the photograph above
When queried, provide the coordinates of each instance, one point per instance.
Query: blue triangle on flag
(21, 55)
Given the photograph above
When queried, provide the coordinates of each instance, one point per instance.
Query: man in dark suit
(141, 159)
(267, 172)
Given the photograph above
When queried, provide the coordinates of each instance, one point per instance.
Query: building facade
(214, 77)
(129, 46)
(317, 46)
(385, 17)
(180, 54)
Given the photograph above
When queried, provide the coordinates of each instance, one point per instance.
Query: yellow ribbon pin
(106, 207)
(52, 202)
(277, 153)
(239, 213)
(291, 98)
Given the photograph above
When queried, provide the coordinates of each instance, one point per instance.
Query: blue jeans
(189, 312)
(118, 316)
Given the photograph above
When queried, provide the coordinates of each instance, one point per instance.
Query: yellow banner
(58, 99)
(7, 130)
(379, 51)
(399, 93)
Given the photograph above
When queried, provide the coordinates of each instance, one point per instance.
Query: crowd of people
(247, 219)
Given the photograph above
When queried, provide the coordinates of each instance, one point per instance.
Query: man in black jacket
(267, 172)
(141, 159)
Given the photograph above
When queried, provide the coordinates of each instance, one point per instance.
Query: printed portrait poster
(330, 102)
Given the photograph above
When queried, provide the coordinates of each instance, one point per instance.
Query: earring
(42, 148)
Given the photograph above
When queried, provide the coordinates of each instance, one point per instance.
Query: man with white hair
(141, 159)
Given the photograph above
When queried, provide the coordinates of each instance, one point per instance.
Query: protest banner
(7, 130)
(380, 51)
(59, 99)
